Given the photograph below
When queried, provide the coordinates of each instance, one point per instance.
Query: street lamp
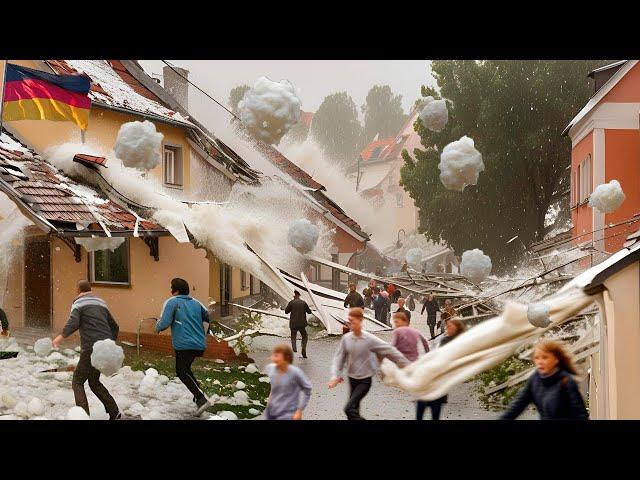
(399, 243)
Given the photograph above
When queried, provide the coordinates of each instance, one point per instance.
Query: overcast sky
(314, 79)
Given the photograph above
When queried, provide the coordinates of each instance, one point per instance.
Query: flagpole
(4, 84)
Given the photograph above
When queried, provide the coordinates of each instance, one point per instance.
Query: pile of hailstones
(27, 393)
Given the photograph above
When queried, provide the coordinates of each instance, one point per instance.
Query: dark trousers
(294, 339)
(184, 359)
(85, 371)
(435, 406)
(431, 321)
(359, 387)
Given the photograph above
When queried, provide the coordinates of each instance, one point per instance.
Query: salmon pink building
(605, 145)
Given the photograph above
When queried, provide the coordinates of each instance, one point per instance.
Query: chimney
(176, 85)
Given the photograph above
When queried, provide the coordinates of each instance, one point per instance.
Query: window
(173, 166)
(583, 180)
(399, 200)
(243, 280)
(106, 266)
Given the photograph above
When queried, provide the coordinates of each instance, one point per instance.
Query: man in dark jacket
(430, 304)
(4, 323)
(297, 310)
(353, 299)
(90, 315)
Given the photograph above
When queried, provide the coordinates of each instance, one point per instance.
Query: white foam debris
(607, 197)
(240, 385)
(414, 257)
(251, 368)
(138, 145)
(434, 114)
(219, 360)
(107, 356)
(270, 109)
(54, 357)
(303, 235)
(264, 380)
(227, 415)
(8, 401)
(21, 410)
(152, 372)
(538, 315)
(460, 164)
(241, 397)
(475, 265)
(94, 244)
(35, 407)
(76, 413)
(43, 347)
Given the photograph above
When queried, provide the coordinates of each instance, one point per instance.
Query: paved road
(383, 402)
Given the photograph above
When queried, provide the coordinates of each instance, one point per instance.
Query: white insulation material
(460, 164)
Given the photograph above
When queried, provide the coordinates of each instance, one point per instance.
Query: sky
(314, 79)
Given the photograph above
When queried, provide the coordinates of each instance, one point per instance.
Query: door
(37, 282)
(225, 289)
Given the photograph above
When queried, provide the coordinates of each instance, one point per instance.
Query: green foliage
(515, 111)
(496, 376)
(336, 128)
(235, 96)
(383, 113)
(207, 371)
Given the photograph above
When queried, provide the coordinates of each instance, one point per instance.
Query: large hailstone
(303, 235)
(35, 407)
(43, 347)
(538, 315)
(138, 145)
(434, 114)
(107, 356)
(76, 413)
(460, 164)
(475, 265)
(414, 257)
(270, 109)
(607, 197)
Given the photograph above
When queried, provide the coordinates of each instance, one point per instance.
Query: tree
(296, 134)
(235, 96)
(383, 113)
(515, 111)
(336, 128)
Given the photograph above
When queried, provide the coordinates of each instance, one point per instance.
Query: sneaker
(202, 404)
(118, 416)
(304, 354)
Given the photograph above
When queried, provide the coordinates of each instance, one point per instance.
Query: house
(191, 159)
(376, 177)
(605, 145)
(38, 286)
(614, 380)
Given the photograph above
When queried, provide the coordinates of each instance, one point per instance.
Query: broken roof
(57, 203)
(375, 149)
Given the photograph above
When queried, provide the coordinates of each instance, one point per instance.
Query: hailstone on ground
(241, 397)
(251, 368)
(76, 413)
(475, 265)
(607, 197)
(538, 315)
(414, 257)
(107, 356)
(460, 164)
(138, 145)
(43, 347)
(227, 415)
(303, 235)
(240, 385)
(434, 114)
(270, 109)
(35, 407)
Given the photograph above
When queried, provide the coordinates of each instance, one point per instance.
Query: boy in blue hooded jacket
(186, 316)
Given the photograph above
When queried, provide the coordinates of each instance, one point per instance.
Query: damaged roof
(56, 202)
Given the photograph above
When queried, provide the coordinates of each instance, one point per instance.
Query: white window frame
(586, 179)
(169, 173)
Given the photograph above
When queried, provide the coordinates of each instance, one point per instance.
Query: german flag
(34, 95)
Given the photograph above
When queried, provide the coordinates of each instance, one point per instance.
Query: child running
(290, 387)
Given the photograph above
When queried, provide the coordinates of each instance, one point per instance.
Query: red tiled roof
(90, 160)
(306, 118)
(369, 149)
(50, 195)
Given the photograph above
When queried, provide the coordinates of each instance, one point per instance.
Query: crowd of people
(551, 388)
